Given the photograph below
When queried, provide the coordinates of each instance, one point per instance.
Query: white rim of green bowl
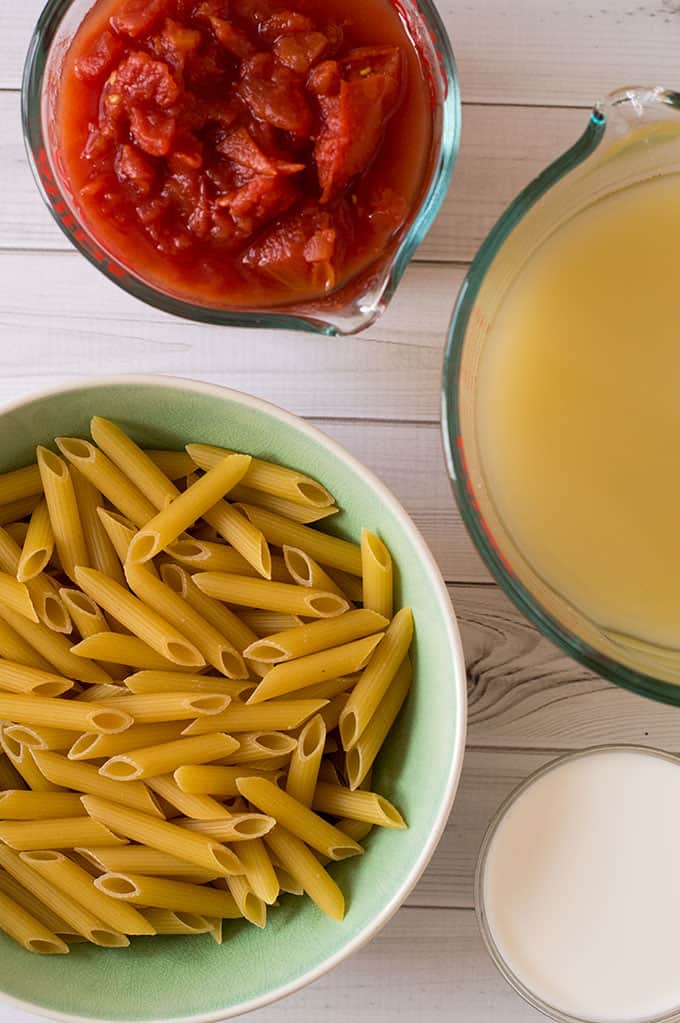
(457, 660)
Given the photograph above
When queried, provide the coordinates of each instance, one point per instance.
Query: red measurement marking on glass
(475, 504)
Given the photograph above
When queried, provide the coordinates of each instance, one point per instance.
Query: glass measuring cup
(632, 136)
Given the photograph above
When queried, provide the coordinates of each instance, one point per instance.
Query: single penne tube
(175, 464)
(38, 545)
(17, 805)
(262, 748)
(260, 873)
(282, 716)
(117, 649)
(303, 866)
(331, 713)
(44, 593)
(251, 907)
(237, 828)
(192, 806)
(187, 507)
(101, 692)
(14, 510)
(64, 516)
(54, 648)
(86, 779)
(140, 859)
(27, 931)
(75, 882)
(30, 902)
(14, 647)
(281, 506)
(358, 830)
(287, 882)
(142, 682)
(216, 650)
(288, 676)
(326, 690)
(140, 619)
(245, 537)
(100, 549)
(19, 678)
(59, 833)
(120, 532)
(376, 574)
(18, 531)
(376, 678)
(20, 484)
(133, 462)
(306, 572)
(267, 623)
(305, 761)
(40, 736)
(298, 819)
(15, 596)
(200, 779)
(153, 708)
(329, 551)
(146, 830)
(87, 616)
(9, 776)
(206, 555)
(268, 476)
(221, 617)
(78, 918)
(167, 757)
(368, 807)
(272, 596)
(165, 921)
(359, 759)
(160, 893)
(92, 746)
(69, 714)
(106, 478)
(22, 761)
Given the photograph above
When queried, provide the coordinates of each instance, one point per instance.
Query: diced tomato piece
(284, 23)
(187, 153)
(152, 130)
(99, 61)
(232, 38)
(175, 43)
(137, 17)
(300, 50)
(141, 79)
(275, 94)
(288, 252)
(324, 79)
(205, 71)
(240, 146)
(135, 170)
(259, 201)
(377, 60)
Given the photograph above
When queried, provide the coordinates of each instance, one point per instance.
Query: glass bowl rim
(444, 154)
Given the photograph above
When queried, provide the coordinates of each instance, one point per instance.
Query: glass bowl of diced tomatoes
(245, 162)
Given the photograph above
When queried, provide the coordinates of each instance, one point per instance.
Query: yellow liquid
(579, 412)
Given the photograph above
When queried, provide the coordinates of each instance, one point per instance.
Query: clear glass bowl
(631, 136)
(346, 311)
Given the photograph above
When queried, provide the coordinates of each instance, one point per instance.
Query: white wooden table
(529, 70)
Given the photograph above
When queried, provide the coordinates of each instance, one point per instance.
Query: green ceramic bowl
(193, 979)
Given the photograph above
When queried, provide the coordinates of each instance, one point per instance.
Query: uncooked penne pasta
(140, 859)
(273, 596)
(134, 463)
(14, 647)
(263, 748)
(130, 651)
(161, 893)
(298, 819)
(141, 620)
(329, 550)
(268, 477)
(11, 887)
(87, 616)
(59, 833)
(16, 597)
(162, 835)
(17, 805)
(217, 781)
(27, 930)
(216, 650)
(20, 678)
(305, 761)
(303, 866)
(48, 710)
(119, 531)
(20, 484)
(54, 648)
(152, 708)
(9, 776)
(63, 511)
(86, 779)
(326, 690)
(238, 531)
(102, 555)
(359, 759)
(280, 505)
(40, 736)
(43, 595)
(331, 713)
(187, 507)
(224, 620)
(50, 608)
(368, 807)
(80, 919)
(38, 545)
(376, 574)
(239, 827)
(14, 510)
(93, 746)
(18, 531)
(267, 623)
(175, 464)
(287, 882)
(260, 873)
(102, 691)
(167, 757)
(288, 676)
(250, 906)
(307, 572)
(165, 921)
(21, 759)
(374, 683)
(142, 682)
(192, 806)
(106, 478)
(282, 715)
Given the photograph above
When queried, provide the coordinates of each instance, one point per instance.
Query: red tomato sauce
(244, 153)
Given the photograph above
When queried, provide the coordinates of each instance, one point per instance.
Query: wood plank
(531, 51)
(503, 148)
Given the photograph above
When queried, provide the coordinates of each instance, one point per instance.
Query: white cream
(581, 886)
